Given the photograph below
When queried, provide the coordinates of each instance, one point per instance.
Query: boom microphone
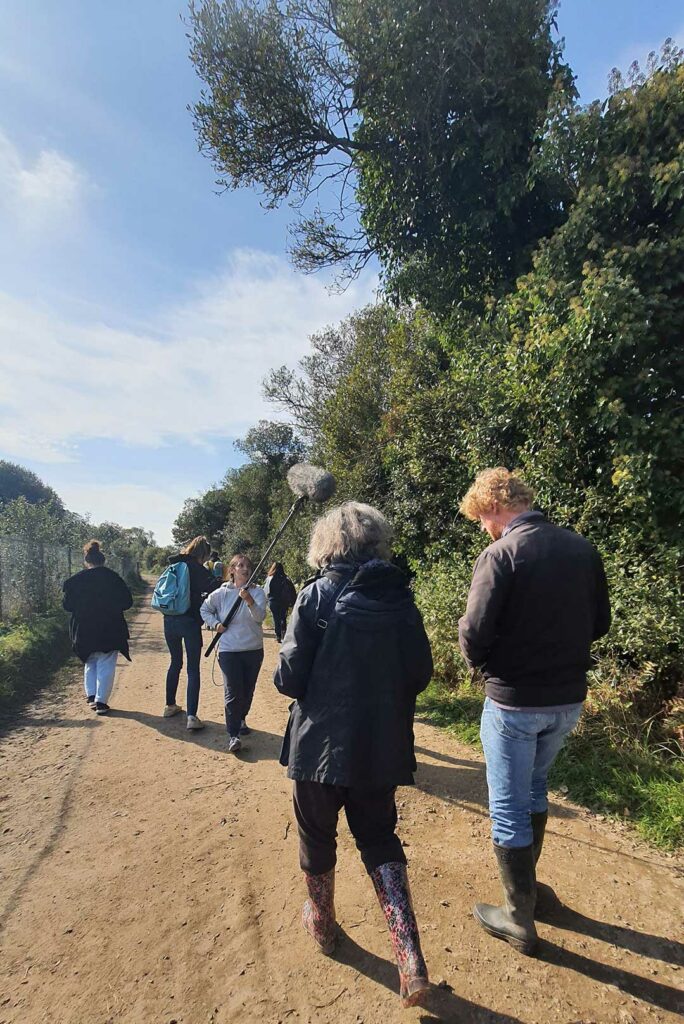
(309, 483)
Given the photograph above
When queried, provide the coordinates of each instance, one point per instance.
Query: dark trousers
(279, 613)
(240, 670)
(179, 630)
(371, 816)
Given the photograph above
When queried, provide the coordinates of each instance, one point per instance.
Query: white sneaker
(172, 709)
(194, 723)
(234, 745)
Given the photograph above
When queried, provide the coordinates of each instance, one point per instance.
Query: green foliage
(41, 522)
(419, 116)
(18, 482)
(452, 98)
(457, 711)
(205, 515)
(576, 378)
(29, 652)
(237, 515)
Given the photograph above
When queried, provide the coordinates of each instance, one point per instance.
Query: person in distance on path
(537, 601)
(281, 594)
(354, 657)
(97, 598)
(241, 647)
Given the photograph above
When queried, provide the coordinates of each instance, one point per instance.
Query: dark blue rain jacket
(354, 670)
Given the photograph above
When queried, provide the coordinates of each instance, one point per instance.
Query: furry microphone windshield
(312, 482)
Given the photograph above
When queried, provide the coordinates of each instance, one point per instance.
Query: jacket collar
(522, 519)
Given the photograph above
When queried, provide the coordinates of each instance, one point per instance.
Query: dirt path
(147, 876)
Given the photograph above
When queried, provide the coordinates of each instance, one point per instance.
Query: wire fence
(32, 573)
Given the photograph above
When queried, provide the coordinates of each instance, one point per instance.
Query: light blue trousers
(98, 675)
(519, 748)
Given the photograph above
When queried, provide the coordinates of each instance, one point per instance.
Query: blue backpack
(172, 591)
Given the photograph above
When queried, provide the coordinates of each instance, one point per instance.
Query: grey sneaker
(172, 709)
(234, 745)
(194, 723)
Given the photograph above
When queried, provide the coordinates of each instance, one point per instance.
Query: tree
(339, 396)
(272, 444)
(206, 516)
(418, 118)
(18, 482)
(576, 378)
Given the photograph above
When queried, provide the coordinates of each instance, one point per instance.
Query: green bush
(29, 652)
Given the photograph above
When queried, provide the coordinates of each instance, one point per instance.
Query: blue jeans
(519, 748)
(180, 629)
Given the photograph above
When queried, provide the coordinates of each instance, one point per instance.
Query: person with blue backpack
(178, 595)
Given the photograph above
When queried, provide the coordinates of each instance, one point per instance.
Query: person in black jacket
(354, 657)
(97, 598)
(281, 594)
(537, 601)
(187, 629)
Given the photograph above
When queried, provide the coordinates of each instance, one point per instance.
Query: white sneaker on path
(194, 723)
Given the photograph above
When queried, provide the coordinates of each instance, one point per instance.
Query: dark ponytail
(92, 553)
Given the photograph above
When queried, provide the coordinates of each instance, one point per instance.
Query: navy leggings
(180, 629)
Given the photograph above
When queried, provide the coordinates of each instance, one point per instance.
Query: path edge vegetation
(621, 777)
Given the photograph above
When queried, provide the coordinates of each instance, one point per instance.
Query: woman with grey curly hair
(354, 657)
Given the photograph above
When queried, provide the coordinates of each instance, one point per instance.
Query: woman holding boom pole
(241, 646)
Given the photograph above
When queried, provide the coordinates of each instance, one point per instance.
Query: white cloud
(39, 192)
(126, 504)
(193, 374)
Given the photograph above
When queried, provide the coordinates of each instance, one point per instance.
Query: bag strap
(329, 605)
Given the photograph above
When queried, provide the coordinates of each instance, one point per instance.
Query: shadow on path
(461, 782)
(655, 992)
(654, 946)
(258, 746)
(443, 1003)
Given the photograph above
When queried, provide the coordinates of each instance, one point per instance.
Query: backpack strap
(328, 606)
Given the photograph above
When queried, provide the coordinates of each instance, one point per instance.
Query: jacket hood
(181, 558)
(377, 593)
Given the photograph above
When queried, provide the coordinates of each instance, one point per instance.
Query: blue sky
(139, 310)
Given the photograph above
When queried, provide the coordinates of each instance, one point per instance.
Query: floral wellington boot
(392, 889)
(318, 915)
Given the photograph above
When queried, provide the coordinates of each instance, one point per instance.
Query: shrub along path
(148, 876)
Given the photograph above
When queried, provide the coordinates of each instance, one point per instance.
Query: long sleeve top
(245, 632)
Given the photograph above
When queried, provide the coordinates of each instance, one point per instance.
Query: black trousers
(371, 816)
(279, 614)
(240, 670)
